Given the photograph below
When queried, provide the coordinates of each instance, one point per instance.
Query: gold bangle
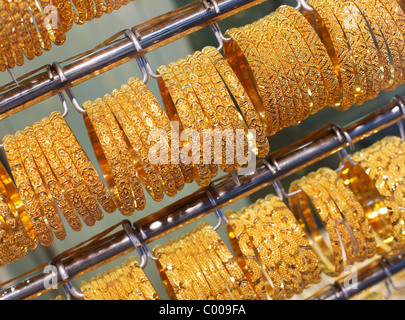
(242, 56)
(65, 9)
(32, 30)
(104, 293)
(132, 107)
(39, 22)
(249, 112)
(274, 211)
(228, 116)
(130, 104)
(245, 255)
(217, 115)
(26, 191)
(59, 161)
(354, 213)
(142, 280)
(133, 291)
(100, 8)
(48, 183)
(107, 155)
(125, 155)
(246, 290)
(81, 11)
(12, 34)
(330, 254)
(109, 6)
(147, 173)
(318, 50)
(90, 10)
(25, 41)
(56, 33)
(161, 121)
(118, 4)
(6, 59)
(393, 236)
(89, 292)
(21, 221)
(84, 166)
(334, 39)
(269, 255)
(84, 201)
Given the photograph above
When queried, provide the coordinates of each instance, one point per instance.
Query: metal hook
(126, 225)
(219, 213)
(68, 287)
(13, 77)
(389, 281)
(273, 167)
(60, 94)
(342, 136)
(68, 91)
(143, 62)
(214, 26)
(302, 4)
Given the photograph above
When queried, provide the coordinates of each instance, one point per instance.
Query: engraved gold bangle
(81, 11)
(130, 104)
(125, 154)
(249, 113)
(62, 189)
(245, 255)
(47, 183)
(56, 33)
(142, 280)
(7, 59)
(39, 19)
(160, 121)
(330, 253)
(107, 155)
(147, 173)
(19, 221)
(269, 255)
(32, 29)
(84, 166)
(26, 191)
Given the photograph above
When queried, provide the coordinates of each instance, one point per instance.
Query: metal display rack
(269, 171)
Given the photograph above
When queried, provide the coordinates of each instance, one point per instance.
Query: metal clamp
(209, 5)
(343, 136)
(126, 225)
(143, 62)
(389, 283)
(68, 91)
(211, 193)
(68, 287)
(401, 122)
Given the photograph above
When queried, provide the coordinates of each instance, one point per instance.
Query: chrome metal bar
(368, 276)
(309, 150)
(152, 35)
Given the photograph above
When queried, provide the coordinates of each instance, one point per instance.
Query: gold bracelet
(249, 112)
(26, 191)
(90, 10)
(48, 183)
(125, 155)
(21, 224)
(133, 292)
(12, 34)
(294, 77)
(32, 29)
(240, 49)
(133, 108)
(147, 173)
(39, 22)
(392, 234)
(56, 33)
(142, 280)
(81, 15)
(7, 58)
(84, 167)
(245, 255)
(108, 158)
(25, 40)
(273, 211)
(318, 50)
(330, 252)
(88, 290)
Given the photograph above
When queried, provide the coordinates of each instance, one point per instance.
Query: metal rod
(152, 35)
(368, 276)
(309, 150)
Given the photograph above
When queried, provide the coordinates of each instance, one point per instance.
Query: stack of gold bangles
(50, 171)
(342, 53)
(125, 282)
(28, 27)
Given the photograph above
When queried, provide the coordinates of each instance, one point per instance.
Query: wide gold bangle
(158, 120)
(330, 253)
(147, 173)
(275, 211)
(132, 107)
(245, 255)
(26, 191)
(242, 99)
(55, 30)
(48, 183)
(138, 274)
(124, 152)
(107, 155)
(39, 22)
